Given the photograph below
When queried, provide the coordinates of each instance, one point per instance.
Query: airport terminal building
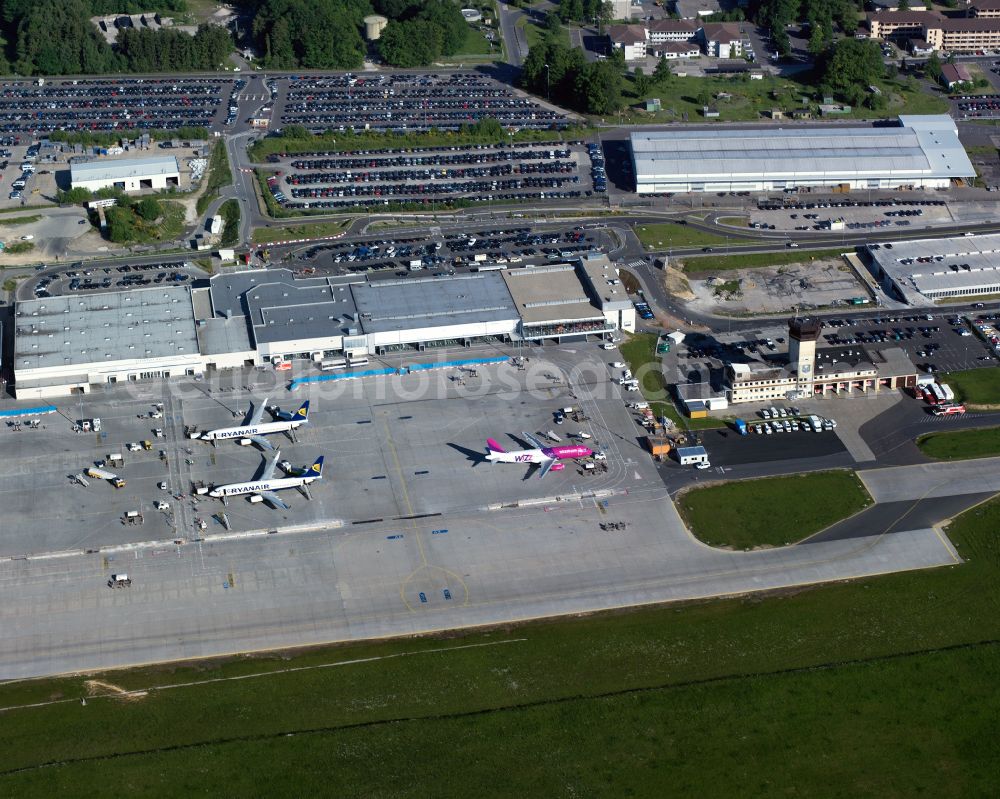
(919, 152)
(69, 344)
(64, 345)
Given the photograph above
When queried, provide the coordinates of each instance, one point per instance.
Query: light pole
(547, 92)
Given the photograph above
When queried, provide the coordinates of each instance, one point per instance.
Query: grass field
(217, 176)
(954, 445)
(534, 34)
(718, 263)
(740, 99)
(772, 511)
(662, 235)
(477, 47)
(851, 689)
(263, 235)
(975, 386)
(639, 353)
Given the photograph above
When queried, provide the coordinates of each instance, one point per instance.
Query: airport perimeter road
(272, 591)
(927, 480)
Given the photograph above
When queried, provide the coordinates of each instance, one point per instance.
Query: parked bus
(352, 362)
(338, 363)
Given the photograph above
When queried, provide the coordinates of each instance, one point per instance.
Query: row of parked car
(430, 156)
(109, 104)
(308, 178)
(597, 173)
(404, 101)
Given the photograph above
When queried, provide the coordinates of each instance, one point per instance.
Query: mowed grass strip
(975, 386)
(755, 260)
(771, 511)
(661, 235)
(955, 445)
(901, 733)
(312, 231)
(892, 728)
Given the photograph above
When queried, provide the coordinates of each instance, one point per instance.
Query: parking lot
(818, 215)
(944, 342)
(111, 104)
(94, 277)
(431, 174)
(427, 175)
(448, 253)
(406, 102)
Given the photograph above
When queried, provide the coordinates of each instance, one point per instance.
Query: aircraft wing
(273, 499)
(534, 441)
(268, 472)
(546, 465)
(262, 442)
(258, 413)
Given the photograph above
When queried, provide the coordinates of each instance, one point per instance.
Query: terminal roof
(98, 328)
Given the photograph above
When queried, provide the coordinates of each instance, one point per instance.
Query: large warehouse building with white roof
(925, 270)
(127, 174)
(919, 152)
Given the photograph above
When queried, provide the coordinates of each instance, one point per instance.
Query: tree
(641, 83)
(600, 86)
(876, 102)
(903, 5)
(932, 67)
(446, 15)
(817, 40)
(148, 209)
(552, 23)
(570, 10)
(662, 74)
(410, 44)
(121, 225)
(852, 67)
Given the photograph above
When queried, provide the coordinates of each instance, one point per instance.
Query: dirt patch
(101, 688)
(677, 285)
(824, 283)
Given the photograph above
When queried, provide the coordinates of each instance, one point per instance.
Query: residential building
(977, 32)
(675, 50)
(631, 39)
(672, 30)
(983, 9)
(722, 39)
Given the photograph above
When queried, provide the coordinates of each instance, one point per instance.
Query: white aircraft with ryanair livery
(262, 489)
(253, 430)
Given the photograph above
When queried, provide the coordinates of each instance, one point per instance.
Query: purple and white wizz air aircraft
(547, 457)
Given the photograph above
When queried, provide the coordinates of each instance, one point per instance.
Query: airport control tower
(803, 333)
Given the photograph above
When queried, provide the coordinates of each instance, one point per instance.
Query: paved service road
(927, 480)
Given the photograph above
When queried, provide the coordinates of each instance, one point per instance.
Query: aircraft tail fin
(300, 415)
(316, 470)
(493, 446)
